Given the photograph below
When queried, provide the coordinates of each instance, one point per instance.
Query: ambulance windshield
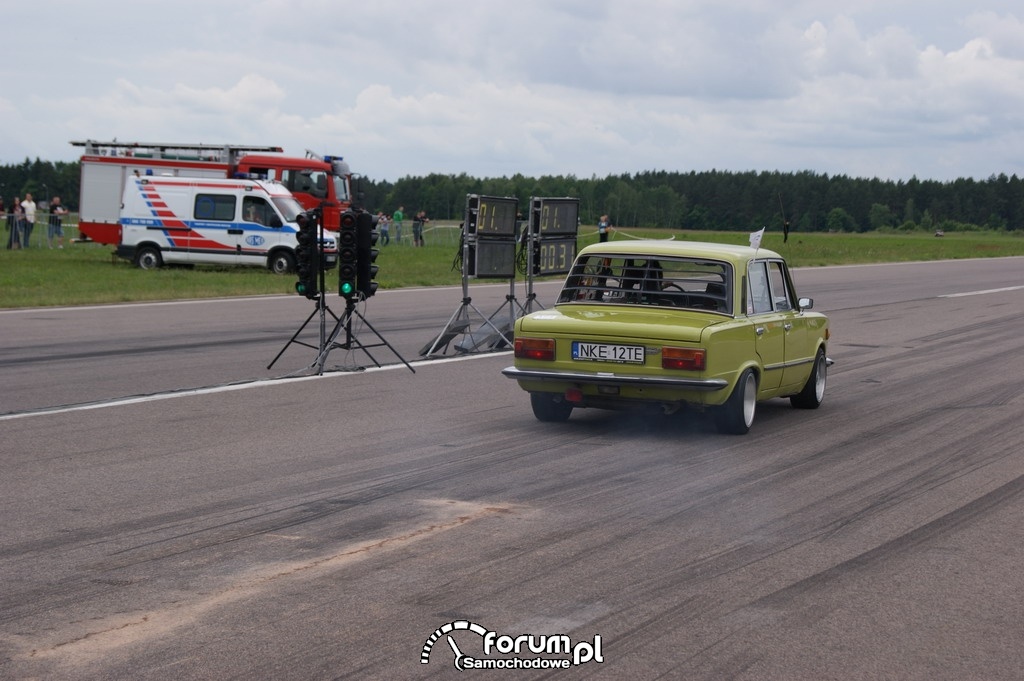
(288, 206)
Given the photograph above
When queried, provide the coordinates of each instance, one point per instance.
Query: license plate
(601, 352)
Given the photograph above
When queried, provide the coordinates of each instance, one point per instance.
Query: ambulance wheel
(149, 258)
(281, 262)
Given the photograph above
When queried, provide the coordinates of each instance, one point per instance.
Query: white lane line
(981, 293)
(232, 387)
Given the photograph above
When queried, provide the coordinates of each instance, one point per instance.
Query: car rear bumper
(610, 378)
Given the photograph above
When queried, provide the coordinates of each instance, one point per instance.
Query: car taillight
(535, 348)
(686, 359)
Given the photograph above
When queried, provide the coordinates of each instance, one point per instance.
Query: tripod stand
(351, 341)
(321, 309)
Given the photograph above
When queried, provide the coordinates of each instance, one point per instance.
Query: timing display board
(555, 217)
(491, 215)
(492, 259)
(554, 256)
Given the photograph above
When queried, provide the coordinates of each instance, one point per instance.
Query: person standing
(604, 226)
(396, 220)
(15, 218)
(417, 227)
(29, 206)
(56, 226)
(382, 226)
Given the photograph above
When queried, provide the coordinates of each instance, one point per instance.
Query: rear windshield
(666, 282)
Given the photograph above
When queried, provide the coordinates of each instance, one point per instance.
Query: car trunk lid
(617, 321)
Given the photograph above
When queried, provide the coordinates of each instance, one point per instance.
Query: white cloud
(585, 87)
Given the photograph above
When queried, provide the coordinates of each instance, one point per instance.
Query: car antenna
(785, 222)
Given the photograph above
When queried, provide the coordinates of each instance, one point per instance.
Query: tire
(814, 390)
(737, 414)
(149, 258)
(550, 407)
(281, 262)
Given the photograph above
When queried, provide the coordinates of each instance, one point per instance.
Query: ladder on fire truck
(209, 153)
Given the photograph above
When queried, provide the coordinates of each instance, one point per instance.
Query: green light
(346, 288)
(300, 288)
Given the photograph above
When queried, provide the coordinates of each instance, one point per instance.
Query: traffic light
(366, 254)
(347, 255)
(307, 258)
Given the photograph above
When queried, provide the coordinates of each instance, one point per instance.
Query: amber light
(535, 348)
(686, 359)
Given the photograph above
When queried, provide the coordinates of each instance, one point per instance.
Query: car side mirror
(806, 303)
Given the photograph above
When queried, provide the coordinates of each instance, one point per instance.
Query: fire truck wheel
(281, 262)
(149, 258)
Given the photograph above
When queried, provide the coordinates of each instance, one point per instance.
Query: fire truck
(316, 181)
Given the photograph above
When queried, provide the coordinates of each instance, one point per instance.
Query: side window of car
(760, 298)
(214, 207)
(780, 290)
(256, 209)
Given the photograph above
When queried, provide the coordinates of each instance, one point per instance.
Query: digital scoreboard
(489, 236)
(556, 217)
(554, 224)
(491, 215)
(554, 256)
(490, 259)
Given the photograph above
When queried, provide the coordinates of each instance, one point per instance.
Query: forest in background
(704, 200)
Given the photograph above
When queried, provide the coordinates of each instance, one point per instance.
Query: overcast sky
(890, 89)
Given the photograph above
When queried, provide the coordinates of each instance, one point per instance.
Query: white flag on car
(755, 238)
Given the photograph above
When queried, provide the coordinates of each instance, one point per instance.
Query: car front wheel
(737, 414)
(814, 390)
(550, 407)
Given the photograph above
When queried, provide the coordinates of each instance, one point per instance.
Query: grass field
(81, 274)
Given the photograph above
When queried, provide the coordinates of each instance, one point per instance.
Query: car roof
(672, 248)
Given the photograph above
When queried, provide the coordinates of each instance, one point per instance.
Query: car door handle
(787, 326)
(759, 330)
(236, 231)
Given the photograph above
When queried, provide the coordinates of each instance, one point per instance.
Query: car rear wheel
(814, 390)
(550, 407)
(737, 414)
(149, 258)
(281, 262)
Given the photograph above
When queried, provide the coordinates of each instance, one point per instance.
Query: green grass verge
(82, 274)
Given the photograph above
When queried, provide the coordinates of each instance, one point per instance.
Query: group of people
(21, 221)
(385, 222)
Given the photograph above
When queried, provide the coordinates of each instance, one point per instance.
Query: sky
(932, 89)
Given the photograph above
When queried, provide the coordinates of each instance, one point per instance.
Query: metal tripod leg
(322, 309)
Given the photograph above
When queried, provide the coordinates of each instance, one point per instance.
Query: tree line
(705, 200)
(726, 201)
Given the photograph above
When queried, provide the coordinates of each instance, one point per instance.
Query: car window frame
(772, 284)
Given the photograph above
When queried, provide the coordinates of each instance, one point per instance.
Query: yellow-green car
(672, 324)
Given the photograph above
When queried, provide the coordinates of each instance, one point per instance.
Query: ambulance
(188, 220)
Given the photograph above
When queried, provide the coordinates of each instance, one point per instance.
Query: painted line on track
(231, 387)
(981, 293)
